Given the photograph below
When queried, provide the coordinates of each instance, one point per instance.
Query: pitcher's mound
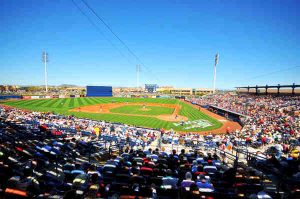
(145, 109)
(172, 118)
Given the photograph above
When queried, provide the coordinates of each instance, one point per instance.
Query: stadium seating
(49, 158)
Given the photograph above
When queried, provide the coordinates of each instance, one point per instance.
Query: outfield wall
(49, 96)
(5, 97)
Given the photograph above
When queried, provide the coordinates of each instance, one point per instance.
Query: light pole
(215, 72)
(45, 60)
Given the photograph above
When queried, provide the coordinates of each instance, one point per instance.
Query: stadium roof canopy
(293, 86)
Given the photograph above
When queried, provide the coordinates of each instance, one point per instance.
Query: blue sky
(175, 40)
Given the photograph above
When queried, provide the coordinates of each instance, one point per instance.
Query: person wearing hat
(194, 167)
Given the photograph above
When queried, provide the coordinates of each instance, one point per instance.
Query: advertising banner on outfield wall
(61, 96)
(48, 97)
(72, 96)
(26, 97)
(77, 95)
(163, 96)
(35, 97)
(54, 96)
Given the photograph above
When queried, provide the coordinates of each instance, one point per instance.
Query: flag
(216, 59)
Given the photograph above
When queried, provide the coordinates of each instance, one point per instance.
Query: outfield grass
(139, 110)
(62, 106)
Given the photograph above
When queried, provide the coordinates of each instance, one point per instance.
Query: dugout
(231, 115)
(180, 97)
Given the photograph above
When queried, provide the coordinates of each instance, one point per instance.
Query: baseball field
(143, 112)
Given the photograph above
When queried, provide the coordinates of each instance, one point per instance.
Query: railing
(235, 155)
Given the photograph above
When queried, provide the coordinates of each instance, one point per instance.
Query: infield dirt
(228, 126)
(105, 108)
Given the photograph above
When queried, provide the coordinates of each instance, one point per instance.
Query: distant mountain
(67, 85)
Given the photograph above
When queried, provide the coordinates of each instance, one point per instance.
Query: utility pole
(138, 69)
(215, 72)
(45, 60)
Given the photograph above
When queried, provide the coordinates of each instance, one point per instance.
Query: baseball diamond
(145, 112)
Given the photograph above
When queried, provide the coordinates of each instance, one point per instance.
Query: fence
(5, 97)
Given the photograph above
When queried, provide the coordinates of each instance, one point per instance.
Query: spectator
(188, 180)
(168, 180)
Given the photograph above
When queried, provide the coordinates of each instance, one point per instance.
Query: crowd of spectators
(70, 159)
(40, 90)
(269, 119)
(38, 149)
(79, 126)
(44, 155)
(249, 104)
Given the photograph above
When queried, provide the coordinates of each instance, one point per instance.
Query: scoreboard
(99, 91)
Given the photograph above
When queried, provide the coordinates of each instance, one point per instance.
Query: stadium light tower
(45, 60)
(215, 72)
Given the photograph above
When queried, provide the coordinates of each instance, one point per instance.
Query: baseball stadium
(152, 113)
(130, 106)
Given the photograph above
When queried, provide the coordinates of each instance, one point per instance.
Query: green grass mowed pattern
(63, 106)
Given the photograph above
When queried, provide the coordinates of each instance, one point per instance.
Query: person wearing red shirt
(263, 140)
(146, 169)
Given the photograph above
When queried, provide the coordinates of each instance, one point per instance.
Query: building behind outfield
(99, 91)
(184, 91)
